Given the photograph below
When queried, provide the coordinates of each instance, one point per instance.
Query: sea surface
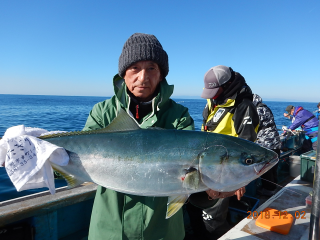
(69, 113)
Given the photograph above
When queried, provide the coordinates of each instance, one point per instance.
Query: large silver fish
(158, 162)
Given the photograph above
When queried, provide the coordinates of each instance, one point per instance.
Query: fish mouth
(261, 168)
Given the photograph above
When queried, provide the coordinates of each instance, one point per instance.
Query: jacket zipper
(137, 111)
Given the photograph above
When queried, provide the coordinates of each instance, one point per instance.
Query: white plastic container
(295, 166)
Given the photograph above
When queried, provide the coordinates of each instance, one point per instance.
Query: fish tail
(71, 180)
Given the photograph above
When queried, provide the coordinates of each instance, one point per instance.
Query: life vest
(218, 118)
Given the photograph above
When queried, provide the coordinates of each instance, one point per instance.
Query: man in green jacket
(142, 91)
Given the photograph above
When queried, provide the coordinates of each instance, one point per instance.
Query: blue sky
(72, 47)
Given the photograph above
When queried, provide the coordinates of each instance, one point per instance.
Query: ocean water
(69, 113)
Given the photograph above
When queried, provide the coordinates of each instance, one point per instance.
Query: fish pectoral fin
(191, 180)
(71, 179)
(175, 203)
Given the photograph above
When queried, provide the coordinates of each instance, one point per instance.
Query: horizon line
(173, 97)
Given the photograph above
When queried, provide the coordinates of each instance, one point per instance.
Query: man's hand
(240, 192)
(214, 194)
(287, 115)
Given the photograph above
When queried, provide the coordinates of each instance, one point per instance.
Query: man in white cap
(229, 111)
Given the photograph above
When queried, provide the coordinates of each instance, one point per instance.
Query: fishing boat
(66, 215)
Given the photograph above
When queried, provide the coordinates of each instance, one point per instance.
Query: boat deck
(291, 198)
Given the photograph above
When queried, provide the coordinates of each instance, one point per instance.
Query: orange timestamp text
(278, 214)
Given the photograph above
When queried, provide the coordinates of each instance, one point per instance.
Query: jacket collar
(244, 92)
(296, 110)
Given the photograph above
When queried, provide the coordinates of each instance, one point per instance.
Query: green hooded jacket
(120, 216)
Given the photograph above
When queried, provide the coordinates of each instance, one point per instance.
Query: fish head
(228, 167)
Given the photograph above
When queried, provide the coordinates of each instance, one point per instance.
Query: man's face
(292, 110)
(218, 93)
(142, 79)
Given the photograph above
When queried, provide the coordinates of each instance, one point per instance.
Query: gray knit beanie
(143, 47)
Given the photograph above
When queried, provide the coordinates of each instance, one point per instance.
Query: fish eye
(190, 169)
(249, 161)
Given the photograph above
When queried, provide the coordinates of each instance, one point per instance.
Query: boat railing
(64, 215)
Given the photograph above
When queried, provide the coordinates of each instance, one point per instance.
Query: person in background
(229, 111)
(268, 137)
(309, 124)
(287, 115)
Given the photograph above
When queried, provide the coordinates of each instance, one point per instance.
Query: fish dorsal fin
(175, 203)
(122, 122)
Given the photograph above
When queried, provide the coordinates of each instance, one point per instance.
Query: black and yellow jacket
(233, 113)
